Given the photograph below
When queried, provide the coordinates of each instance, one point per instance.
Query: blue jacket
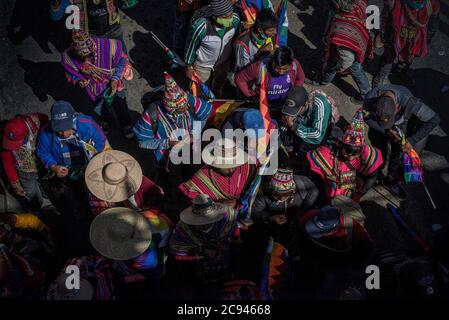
(49, 149)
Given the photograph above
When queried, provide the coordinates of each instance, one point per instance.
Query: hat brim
(237, 160)
(349, 208)
(61, 125)
(290, 111)
(119, 249)
(314, 231)
(11, 145)
(108, 192)
(188, 217)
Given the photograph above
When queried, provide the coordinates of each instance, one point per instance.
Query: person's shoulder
(297, 63)
(235, 19)
(200, 23)
(369, 151)
(85, 121)
(319, 98)
(243, 37)
(321, 151)
(46, 129)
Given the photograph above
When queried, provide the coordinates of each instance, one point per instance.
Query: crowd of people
(237, 234)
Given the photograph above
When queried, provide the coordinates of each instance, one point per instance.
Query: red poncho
(349, 30)
(410, 28)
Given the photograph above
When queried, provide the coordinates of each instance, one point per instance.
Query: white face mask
(72, 136)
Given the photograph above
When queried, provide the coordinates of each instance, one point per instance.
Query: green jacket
(312, 126)
(206, 47)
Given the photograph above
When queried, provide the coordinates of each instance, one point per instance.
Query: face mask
(225, 22)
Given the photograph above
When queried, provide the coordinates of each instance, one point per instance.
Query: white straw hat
(203, 211)
(120, 233)
(113, 176)
(224, 154)
(349, 208)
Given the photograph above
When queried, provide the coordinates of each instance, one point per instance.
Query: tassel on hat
(355, 133)
(174, 97)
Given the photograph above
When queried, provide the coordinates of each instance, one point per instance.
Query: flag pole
(430, 197)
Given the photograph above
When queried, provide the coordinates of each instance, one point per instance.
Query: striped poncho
(410, 28)
(343, 177)
(349, 30)
(168, 125)
(187, 242)
(109, 62)
(218, 187)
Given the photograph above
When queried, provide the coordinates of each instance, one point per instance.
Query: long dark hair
(283, 56)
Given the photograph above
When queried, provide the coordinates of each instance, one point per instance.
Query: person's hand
(394, 136)
(290, 121)
(60, 171)
(267, 47)
(406, 147)
(18, 189)
(83, 83)
(189, 72)
(279, 219)
(114, 84)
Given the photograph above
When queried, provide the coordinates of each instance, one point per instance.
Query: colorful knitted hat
(174, 97)
(356, 131)
(83, 44)
(282, 181)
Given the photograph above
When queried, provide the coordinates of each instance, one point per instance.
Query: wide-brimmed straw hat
(120, 233)
(203, 211)
(224, 154)
(113, 176)
(59, 290)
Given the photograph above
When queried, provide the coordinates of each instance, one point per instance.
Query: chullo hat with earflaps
(355, 134)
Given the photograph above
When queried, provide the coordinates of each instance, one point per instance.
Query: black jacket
(409, 107)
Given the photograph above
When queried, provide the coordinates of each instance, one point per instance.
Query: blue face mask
(416, 5)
